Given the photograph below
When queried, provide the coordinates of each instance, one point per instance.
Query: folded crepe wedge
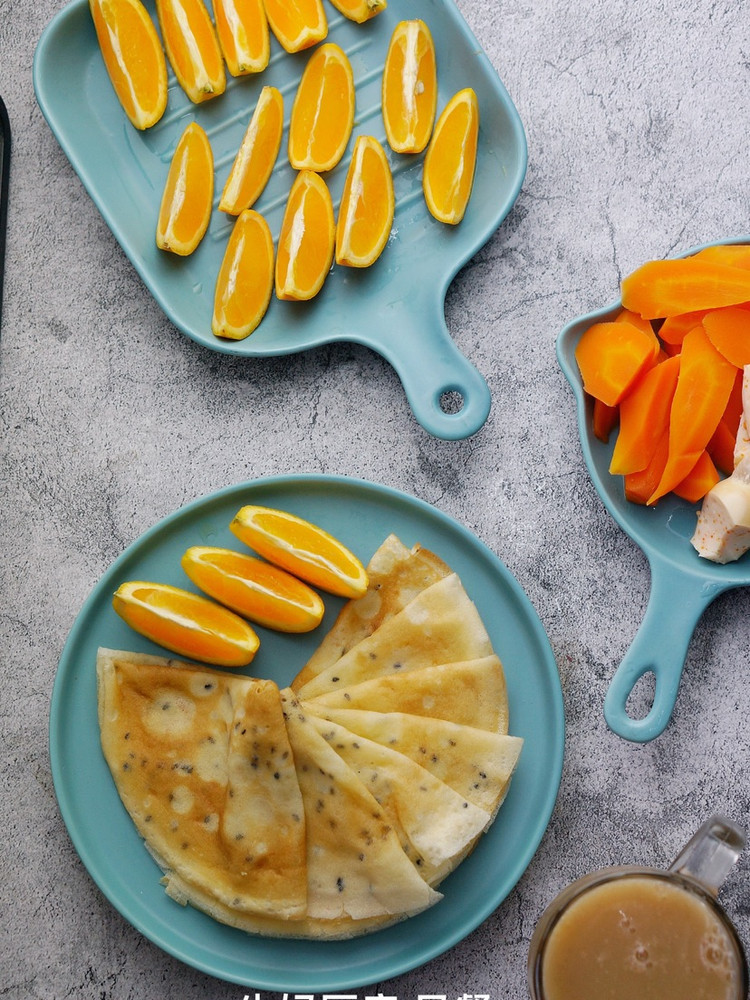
(203, 765)
(396, 576)
(438, 825)
(340, 929)
(441, 625)
(469, 693)
(360, 877)
(474, 762)
(356, 866)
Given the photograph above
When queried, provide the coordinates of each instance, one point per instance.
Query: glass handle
(711, 853)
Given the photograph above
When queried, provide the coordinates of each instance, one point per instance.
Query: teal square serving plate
(395, 307)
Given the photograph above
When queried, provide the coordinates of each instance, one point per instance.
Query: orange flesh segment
(359, 10)
(255, 159)
(242, 30)
(245, 281)
(186, 623)
(297, 24)
(301, 548)
(409, 89)
(306, 241)
(367, 206)
(192, 48)
(133, 57)
(451, 158)
(323, 111)
(188, 194)
(257, 590)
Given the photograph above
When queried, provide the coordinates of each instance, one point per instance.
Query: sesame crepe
(356, 866)
(202, 762)
(337, 805)
(472, 692)
(440, 625)
(436, 824)
(474, 762)
(395, 575)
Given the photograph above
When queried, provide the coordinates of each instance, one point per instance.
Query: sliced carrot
(703, 388)
(610, 357)
(662, 288)
(627, 316)
(701, 478)
(734, 408)
(728, 330)
(721, 447)
(640, 485)
(604, 419)
(736, 254)
(671, 350)
(673, 329)
(644, 416)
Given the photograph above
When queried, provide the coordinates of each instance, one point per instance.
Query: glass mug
(634, 933)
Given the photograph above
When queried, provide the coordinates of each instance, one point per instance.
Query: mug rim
(560, 903)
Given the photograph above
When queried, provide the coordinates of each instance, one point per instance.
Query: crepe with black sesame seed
(474, 762)
(203, 765)
(356, 866)
(440, 625)
(471, 693)
(396, 575)
(437, 826)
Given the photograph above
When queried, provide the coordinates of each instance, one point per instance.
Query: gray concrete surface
(636, 116)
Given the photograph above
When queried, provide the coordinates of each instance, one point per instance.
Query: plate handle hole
(640, 701)
(451, 401)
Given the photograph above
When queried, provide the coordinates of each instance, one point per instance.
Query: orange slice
(323, 111)
(359, 10)
(306, 241)
(133, 57)
(257, 154)
(367, 205)
(186, 623)
(297, 24)
(409, 92)
(192, 48)
(245, 282)
(188, 193)
(302, 549)
(257, 590)
(450, 161)
(242, 30)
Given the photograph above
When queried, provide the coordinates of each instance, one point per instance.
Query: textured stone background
(636, 116)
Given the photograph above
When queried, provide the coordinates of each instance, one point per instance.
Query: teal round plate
(361, 514)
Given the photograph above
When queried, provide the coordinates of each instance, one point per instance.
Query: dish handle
(676, 602)
(446, 393)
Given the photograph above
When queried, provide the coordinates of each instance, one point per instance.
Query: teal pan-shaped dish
(395, 307)
(362, 515)
(682, 583)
